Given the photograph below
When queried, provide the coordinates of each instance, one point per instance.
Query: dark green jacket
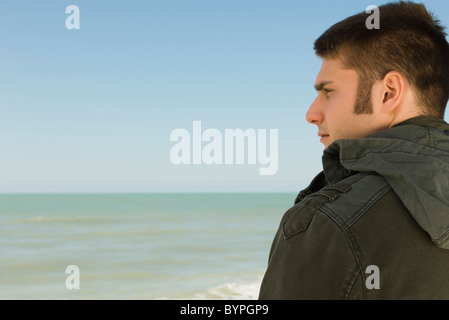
(373, 225)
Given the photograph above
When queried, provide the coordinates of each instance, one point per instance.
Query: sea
(137, 246)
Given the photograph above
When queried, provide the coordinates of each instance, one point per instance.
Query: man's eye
(327, 91)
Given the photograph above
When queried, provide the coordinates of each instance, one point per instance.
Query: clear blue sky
(91, 110)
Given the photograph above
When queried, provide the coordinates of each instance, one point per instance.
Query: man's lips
(323, 136)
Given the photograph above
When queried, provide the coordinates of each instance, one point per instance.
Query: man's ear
(392, 86)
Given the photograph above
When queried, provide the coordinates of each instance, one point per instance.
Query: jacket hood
(413, 157)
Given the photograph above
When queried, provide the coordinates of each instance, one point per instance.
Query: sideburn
(363, 103)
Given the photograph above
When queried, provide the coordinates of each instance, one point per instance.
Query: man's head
(371, 79)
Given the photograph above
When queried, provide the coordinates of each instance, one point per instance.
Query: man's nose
(314, 115)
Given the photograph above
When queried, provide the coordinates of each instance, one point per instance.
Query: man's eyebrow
(320, 86)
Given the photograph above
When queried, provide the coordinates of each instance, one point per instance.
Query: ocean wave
(231, 291)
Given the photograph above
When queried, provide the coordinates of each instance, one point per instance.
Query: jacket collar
(345, 150)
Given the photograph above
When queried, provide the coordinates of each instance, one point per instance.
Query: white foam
(231, 291)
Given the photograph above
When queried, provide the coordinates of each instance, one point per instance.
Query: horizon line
(138, 192)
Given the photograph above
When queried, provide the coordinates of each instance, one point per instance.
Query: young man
(375, 223)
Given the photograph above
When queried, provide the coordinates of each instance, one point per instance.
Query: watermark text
(235, 146)
(73, 280)
(73, 20)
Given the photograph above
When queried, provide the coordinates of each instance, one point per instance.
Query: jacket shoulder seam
(351, 206)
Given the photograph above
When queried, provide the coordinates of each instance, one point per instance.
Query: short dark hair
(410, 40)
